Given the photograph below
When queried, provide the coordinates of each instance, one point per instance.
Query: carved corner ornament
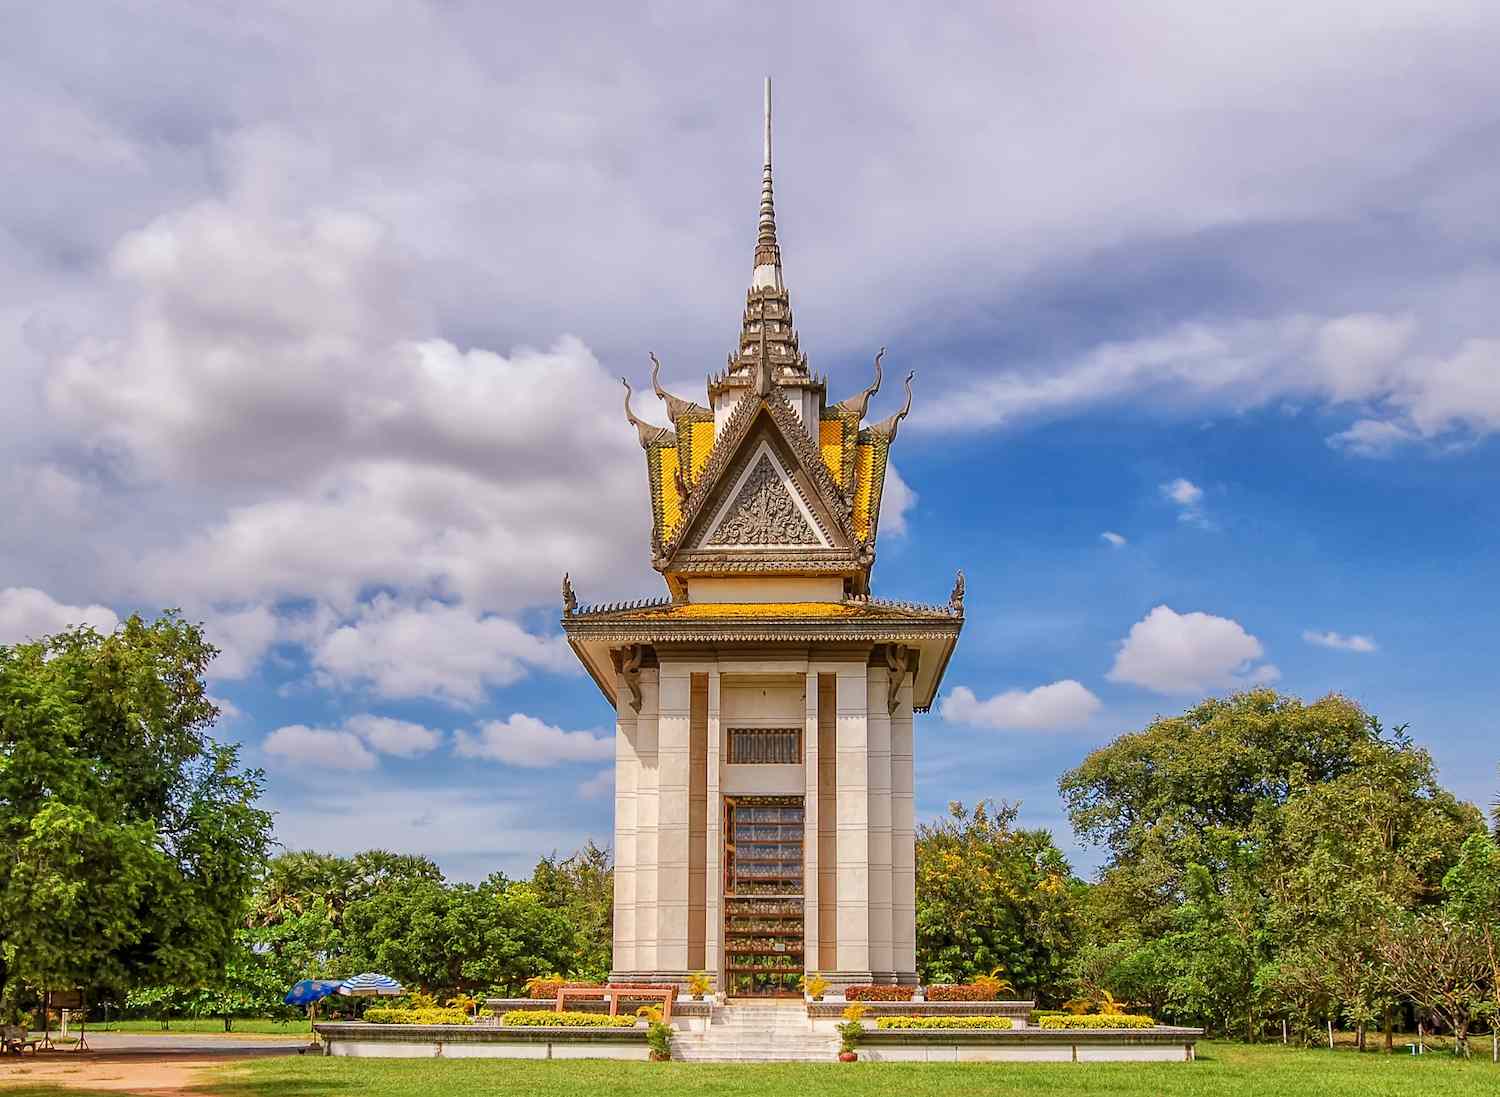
(570, 600)
(956, 599)
(898, 659)
(630, 670)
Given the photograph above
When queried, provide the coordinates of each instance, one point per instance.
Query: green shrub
(869, 993)
(545, 1018)
(1035, 1015)
(960, 992)
(1098, 1020)
(659, 1040)
(381, 1015)
(944, 1022)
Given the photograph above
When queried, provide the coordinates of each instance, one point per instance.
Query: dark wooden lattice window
(765, 746)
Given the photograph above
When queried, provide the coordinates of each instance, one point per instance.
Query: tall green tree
(132, 838)
(583, 888)
(990, 894)
(1255, 839)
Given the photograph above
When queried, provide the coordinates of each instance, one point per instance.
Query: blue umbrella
(309, 991)
(371, 983)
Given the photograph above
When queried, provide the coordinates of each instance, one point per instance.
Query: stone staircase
(764, 1032)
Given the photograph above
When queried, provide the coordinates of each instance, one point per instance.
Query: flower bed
(1097, 1020)
(943, 1022)
(960, 992)
(869, 993)
(546, 1018)
(381, 1015)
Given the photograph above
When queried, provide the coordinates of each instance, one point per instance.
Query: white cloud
(298, 745)
(433, 649)
(401, 738)
(30, 614)
(1184, 493)
(1372, 438)
(1113, 538)
(242, 636)
(1171, 652)
(1340, 642)
(228, 710)
(526, 741)
(598, 787)
(896, 500)
(1062, 704)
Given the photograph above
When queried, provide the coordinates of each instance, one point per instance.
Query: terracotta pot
(848, 1056)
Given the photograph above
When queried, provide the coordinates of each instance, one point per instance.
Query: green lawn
(207, 1025)
(1220, 1069)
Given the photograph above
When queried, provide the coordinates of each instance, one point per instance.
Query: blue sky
(311, 325)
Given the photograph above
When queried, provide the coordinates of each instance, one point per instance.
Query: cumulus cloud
(298, 746)
(1112, 538)
(1338, 641)
(1184, 493)
(433, 649)
(386, 735)
(523, 740)
(598, 787)
(30, 614)
(1063, 704)
(1171, 652)
(896, 500)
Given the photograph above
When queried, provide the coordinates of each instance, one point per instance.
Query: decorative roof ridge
(858, 405)
(620, 607)
(677, 407)
(886, 428)
(925, 608)
(726, 448)
(799, 438)
(649, 434)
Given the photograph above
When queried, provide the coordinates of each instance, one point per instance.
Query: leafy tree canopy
(132, 838)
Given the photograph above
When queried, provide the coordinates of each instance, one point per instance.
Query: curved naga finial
(644, 430)
(676, 405)
(858, 405)
(956, 599)
(570, 600)
(888, 427)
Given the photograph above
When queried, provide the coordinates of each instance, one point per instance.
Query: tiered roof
(810, 473)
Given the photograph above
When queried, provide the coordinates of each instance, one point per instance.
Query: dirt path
(159, 1074)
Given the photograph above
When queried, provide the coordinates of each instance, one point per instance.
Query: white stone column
(903, 841)
(879, 751)
(810, 958)
(713, 955)
(854, 821)
(646, 805)
(627, 772)
(673, 753)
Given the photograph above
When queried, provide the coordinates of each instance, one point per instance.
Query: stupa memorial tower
(764, 821)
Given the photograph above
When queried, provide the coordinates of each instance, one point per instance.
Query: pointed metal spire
(767, 252)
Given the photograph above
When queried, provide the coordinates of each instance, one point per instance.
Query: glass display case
(763, 895)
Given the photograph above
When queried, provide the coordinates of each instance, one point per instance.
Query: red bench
(615, 994)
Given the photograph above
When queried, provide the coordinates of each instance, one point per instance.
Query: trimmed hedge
(380, 1015)
(1037, 1014)
(545, 1018)
(944, 1022)
(870, 993)
(960, 992)
(1098, 1020)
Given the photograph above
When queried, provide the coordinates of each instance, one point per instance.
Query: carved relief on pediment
(763, 513)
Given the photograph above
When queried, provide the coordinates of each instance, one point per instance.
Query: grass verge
(1221, 1069)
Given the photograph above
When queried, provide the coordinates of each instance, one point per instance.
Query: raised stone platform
(360, 1040)
(1162, 1043)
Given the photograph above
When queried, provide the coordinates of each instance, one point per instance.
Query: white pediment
(762, 509)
